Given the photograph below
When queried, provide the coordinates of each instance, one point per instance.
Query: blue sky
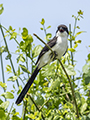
(28, 13)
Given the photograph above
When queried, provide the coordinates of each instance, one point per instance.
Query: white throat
(63, 34)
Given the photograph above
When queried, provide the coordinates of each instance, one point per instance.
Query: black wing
(51, 43)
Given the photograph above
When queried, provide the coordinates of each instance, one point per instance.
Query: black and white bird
(59, 45)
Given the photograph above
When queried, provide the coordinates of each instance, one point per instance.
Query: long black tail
(27, 86)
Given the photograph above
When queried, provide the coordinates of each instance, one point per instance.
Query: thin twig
(36, 105)
(71, 88)
(15, 40)
(66, 75)
(2, 71)
(44, 104)
(10, 34)
(24, 110)
(71, 52)
(66, 94)
(9, 54)
(9, 112)
(44, 30)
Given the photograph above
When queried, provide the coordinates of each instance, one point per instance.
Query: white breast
(61, 46)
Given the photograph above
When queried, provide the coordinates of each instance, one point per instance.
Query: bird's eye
(64, 28)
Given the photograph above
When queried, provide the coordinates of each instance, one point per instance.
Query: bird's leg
(53, 55)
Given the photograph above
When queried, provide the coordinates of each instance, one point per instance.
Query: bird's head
(62, 30)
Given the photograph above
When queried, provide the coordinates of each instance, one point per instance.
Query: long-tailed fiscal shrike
(59, 45)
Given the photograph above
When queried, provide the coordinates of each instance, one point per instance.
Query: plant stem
(9, 112)
(27, 64)
(71, 42)
(44, 30)
(74, 98)
(71, 52)
(35, 105)
(9, 54)
(10, 34)
(14, 39)
(25, 109)
(2, 71)
(75, 25)
(44, 104)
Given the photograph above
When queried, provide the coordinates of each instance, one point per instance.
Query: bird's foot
(54, 55)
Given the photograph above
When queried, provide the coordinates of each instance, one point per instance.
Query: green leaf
(4, 85)
(1, 9)
(13, 78)
(70, 69)
(48, 70)
(3, 49)
(39, 100)
(5, 105)
(70, 116)
(77, 41)
(55, 84)
(31, 116)
(42, 21)
(29, 39)
(2, 115)
(17, 51)
(83, 107)
(24, 33)
(41, 28)
(71, 49)
(87, 80)
(78, 97)
(48, 27)
(36, 51)
(88, 56)
(14, 117)
(48, 36)
(24, 68)
(80, 12)
(8, 68)
(1, 101)
(78, 33)
(22, 45)
(18, 71)
(13, 35)
(76, 45)
(85, 68)
(8, 56)
(72, 38)
(40, 116)
(20, 58)
(78, 27)
(8, 95)
(56, 117)
(10, 28)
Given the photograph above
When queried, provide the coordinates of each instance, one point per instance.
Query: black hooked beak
(61, 30)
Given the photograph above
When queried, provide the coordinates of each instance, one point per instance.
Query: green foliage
(50, 95)
(36, 51)
(8, 69)
(3, 84)
(1, 9)
(8, 95)
(4, 105)
(24, 68)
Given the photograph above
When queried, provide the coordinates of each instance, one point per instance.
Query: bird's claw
(54, 55)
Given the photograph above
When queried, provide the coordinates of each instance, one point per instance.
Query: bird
(59, 44)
